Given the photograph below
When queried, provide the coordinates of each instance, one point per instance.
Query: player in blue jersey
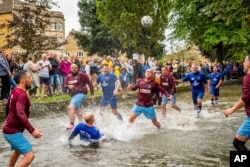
(87, 131)
(198, 84)
(110, 85)
(214, 82)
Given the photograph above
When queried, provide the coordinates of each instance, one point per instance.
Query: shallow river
(183, 140)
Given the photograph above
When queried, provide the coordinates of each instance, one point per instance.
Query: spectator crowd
(49, 71)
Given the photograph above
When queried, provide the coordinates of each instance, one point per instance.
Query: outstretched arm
(236, 106)
(178, 80)
(71, 137)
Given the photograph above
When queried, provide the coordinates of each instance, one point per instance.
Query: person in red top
(157, 96)
(167, 82)
(17, 114)
(144, 104)
(77, 83)
(243, 133)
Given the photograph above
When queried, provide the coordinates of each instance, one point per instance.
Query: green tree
(123, 18)
(94, 36)
(27, 28)
(219, 28)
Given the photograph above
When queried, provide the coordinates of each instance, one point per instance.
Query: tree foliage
(123, 18)
(94, 36)
(27, 28)
(219, 28)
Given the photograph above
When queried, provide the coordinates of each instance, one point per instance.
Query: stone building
(56, 29)
(71, 46)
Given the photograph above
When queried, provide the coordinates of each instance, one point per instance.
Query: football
(146, 21)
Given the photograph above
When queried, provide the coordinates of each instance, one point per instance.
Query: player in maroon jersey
(144, 104)
(167, 82)
(243, 133)
(17, 113)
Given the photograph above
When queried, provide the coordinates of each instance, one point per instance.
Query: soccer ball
(146, 21)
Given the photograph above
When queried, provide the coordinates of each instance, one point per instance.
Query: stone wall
(5, 6)
(61, 106)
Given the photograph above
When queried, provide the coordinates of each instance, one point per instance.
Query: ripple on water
(183, 140)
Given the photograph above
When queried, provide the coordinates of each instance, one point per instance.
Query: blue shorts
(197, 94)
(44, 80)
(18, 142)
(214, 91)
(77, 100)
(54, 79)
(244, 129)
(111, 100)
(149, 112)
(165, 99)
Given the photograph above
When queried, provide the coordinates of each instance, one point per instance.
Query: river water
(183, 140)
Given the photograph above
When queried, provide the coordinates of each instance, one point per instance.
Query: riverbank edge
(61, 105)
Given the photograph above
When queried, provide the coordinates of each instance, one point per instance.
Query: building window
(56, 27)
(80, 54)
(23, 1)
(54, 39)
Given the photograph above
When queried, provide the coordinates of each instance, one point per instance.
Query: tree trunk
(219, 53)
(130, 53)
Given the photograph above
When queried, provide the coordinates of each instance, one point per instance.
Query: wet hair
(19, 75)
(89, 119)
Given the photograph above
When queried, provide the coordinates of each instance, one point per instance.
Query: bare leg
(175, 107)
(132, 118)
(114, 111)
(164, 110)
(125, 91)
(41, 90)
(27, 159)
(241, 138)
(156, 123)
(46, 90)
(118, 115)
(71, 109)
(59, 88)
(51, 89)
(199, 102)
(239, 143)
(13, 158)
(79, 114)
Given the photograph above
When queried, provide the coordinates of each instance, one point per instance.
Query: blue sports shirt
(86, 133)
(108, 82)
(215, 78)
(197, 80)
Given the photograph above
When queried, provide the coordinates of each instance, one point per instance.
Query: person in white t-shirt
(44, 74)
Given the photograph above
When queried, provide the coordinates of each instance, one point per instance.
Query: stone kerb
(61, 106)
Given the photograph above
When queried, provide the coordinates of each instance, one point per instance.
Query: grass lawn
(57, 98)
